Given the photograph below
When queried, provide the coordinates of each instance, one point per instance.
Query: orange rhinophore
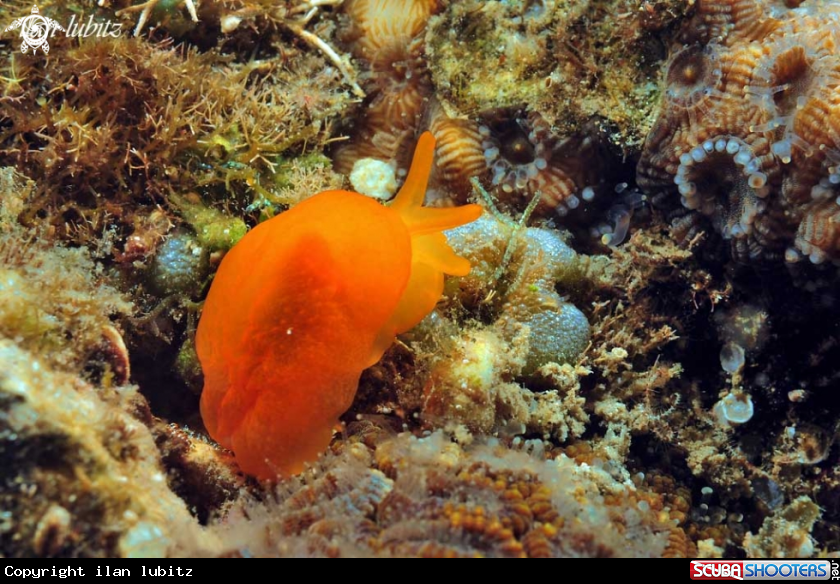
(305, 302)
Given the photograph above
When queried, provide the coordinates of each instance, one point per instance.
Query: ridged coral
(516, 155)
(514, 150)
(749, 133)
(428, 497)
(387, 36)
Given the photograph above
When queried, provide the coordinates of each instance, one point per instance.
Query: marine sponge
(530, 332)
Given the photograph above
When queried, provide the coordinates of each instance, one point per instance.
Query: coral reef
(387, 37)
(80, 472)
(570, 62)
(55, 301)
(518, 156)
(749, 131)
(531, 332)
(786, 534)
(616, 387)
(427, 497)
(112, 130)
(522, 123)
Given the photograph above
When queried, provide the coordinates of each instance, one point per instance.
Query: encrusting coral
(748, 139)
(428, 497)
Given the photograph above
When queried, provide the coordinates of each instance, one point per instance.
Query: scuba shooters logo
(765, 570)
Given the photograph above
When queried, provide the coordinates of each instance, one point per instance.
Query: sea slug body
(305, 302)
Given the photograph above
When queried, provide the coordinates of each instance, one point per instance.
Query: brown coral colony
(512, 150)
(749, 132)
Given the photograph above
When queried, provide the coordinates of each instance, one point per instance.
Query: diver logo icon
(35, 30)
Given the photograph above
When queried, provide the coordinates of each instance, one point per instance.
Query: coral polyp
(758, 162)
(693, 76)
(387, 37)
(526, 158)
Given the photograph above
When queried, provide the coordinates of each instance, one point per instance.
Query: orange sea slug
(305, 302)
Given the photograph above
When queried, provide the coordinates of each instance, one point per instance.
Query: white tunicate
(734, 409)
(732, 357)
(588, 194)
(374, 178)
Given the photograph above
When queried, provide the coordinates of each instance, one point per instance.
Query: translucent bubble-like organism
(734, 409)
